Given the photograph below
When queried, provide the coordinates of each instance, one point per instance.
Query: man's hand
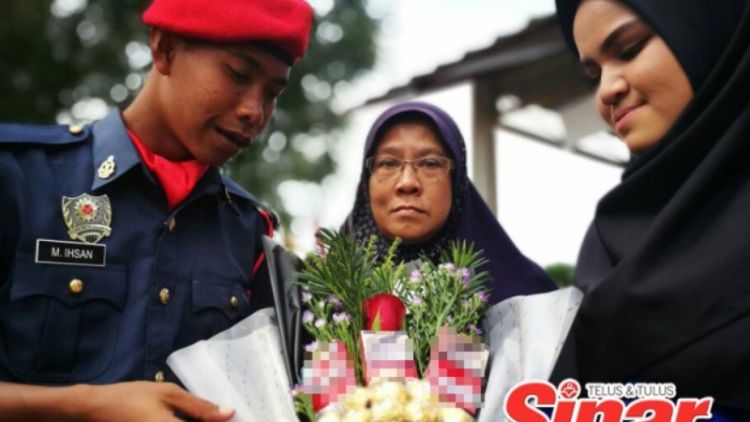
(129, 401)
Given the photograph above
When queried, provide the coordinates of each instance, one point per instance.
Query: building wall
(547, 195)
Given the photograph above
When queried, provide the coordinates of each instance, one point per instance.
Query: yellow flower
(361, 398)
(388, 410)
(329, 416)
(357, 415)
(415, 411)
(453, 414)
(390, 391)
(419, 391)
(393, 402)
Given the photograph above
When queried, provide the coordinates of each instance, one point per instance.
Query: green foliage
(385, 276)
(47, 62)
(303, 406)
(376, 323)
(449, 294)
(336, 283)
(561, 273)
(50, 62)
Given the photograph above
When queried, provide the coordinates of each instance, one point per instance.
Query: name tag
(70, 253)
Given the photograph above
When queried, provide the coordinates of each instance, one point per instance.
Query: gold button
(234, 302)
(75, 129)
(159, 377)
(164, 296)
(75, 286)
(171, 223)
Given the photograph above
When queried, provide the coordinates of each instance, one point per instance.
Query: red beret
(283, 23)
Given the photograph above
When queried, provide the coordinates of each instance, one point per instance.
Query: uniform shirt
(169, 280)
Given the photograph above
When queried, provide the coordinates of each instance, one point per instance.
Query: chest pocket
(59, 324)
(218, 303)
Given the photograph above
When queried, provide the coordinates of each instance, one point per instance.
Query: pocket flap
(59, 281)
(221, 294)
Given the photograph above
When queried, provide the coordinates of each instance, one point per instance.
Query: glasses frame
(369, 161)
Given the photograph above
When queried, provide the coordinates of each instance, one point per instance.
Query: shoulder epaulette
(233, 188)
(43, 134)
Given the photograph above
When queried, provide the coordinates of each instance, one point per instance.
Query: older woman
(414, 186)
(665, 264)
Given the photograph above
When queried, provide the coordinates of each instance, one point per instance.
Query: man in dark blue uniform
(121, 242)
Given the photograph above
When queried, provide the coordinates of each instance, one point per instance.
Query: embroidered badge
(87, 217)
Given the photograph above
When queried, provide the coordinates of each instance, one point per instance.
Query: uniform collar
(112, 145)
(111, 140)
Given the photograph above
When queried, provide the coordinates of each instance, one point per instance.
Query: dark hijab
(469, 218)
(665, 266)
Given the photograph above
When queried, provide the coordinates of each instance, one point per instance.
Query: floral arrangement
(378, 321)
(393, 401)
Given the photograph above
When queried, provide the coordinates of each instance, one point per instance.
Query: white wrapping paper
(242, 367)
(525, 335)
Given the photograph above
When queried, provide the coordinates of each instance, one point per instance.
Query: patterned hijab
(469, 219)
(665, 263)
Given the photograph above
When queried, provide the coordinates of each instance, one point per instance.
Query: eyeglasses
(384, 167)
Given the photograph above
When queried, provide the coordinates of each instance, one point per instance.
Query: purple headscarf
(469, 219)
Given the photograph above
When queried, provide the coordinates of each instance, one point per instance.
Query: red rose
(385, 308)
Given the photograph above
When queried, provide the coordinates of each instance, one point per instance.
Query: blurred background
(537, 151)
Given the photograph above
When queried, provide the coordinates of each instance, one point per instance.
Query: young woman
(414, 186)
(665, 265)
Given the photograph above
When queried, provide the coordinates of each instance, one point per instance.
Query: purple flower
(415, 276)
(415, 299)
(306, 296)
(312, 346)
(474, 329)
(466, 274)
(335, 301)
(341, 318)
(482, 296)
(307, 317)
(320, 323)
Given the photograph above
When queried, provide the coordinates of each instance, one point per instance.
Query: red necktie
(177, 178)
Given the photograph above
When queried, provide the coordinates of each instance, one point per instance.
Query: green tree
(56, 53)
(561, 273)
(60, 56)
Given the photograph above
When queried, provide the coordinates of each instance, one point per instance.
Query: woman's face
(642, 87)
(410, 204)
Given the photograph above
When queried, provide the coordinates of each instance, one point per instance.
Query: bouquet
(380, 322)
